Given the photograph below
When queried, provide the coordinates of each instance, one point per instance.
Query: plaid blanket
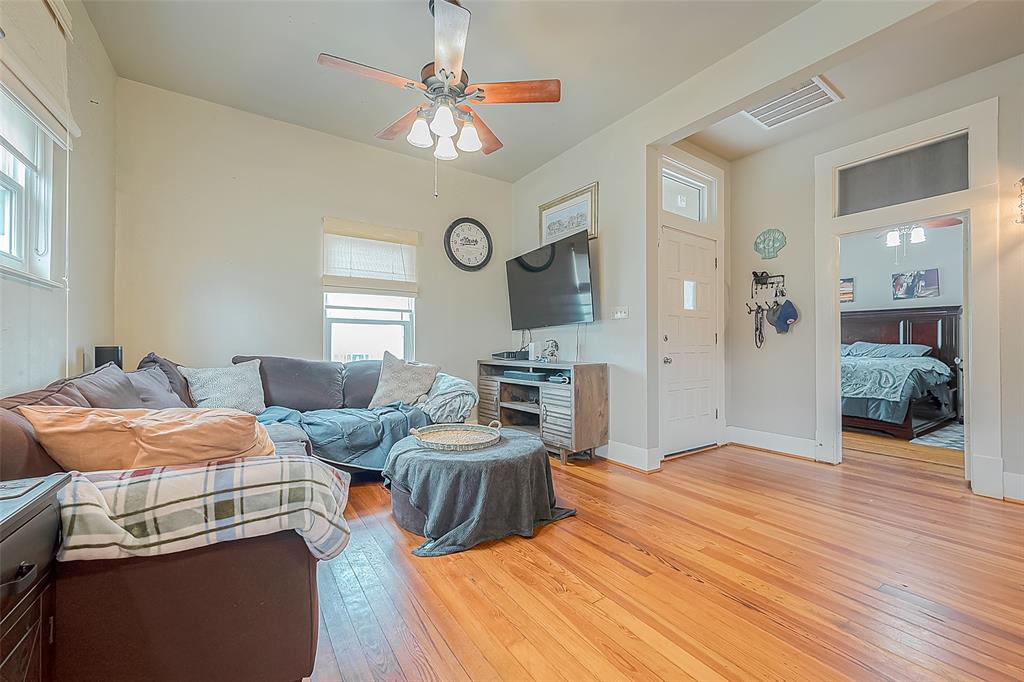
(161, 510)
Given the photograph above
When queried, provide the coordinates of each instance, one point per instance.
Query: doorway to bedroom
(901, 308)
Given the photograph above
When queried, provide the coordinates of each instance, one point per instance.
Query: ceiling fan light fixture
(445, 150)
(892, 238)
(917, 235)
(469, 139)
(419, 135)
(443, 124)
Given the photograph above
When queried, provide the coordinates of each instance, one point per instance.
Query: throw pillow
(301, 385)
(154, 388)
(106, 386)
(237, 387)
(402, 382)
(170, 370)
(87, 439)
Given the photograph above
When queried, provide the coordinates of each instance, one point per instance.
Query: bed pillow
(865, 349)
(154, 389)
(237, 387)
(89, 439)
(107, 386)
(402, 382)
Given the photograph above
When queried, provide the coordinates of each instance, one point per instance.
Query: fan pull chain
(435, 177)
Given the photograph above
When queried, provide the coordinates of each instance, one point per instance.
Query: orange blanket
(90, 439)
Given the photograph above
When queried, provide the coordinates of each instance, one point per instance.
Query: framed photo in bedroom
(916, 284)
(846, 289)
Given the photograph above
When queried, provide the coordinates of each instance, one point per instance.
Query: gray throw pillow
(154, 389)
(402, 382)
(107, 387)
(237, 387)
(170, 370)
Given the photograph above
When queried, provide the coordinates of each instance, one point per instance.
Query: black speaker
(105, 354)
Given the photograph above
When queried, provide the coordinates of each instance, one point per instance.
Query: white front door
(687, 339)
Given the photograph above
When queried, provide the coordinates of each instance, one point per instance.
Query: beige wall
(33, 348)
(775, 187)
(219, 234)
(626, 250)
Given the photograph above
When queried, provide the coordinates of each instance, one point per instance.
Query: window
(369, 291)
(684, 191)
(26, 156)
(363, 326)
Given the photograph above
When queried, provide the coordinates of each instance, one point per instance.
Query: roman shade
(368, 258)
(34, 63)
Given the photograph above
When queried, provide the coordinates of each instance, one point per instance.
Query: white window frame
(684, 174)
(409, 325)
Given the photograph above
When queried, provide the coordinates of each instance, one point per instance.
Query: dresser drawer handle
(23, 577)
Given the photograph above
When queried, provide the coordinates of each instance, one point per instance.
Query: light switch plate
(620, 312)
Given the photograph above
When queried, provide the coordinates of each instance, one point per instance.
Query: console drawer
(26, 555)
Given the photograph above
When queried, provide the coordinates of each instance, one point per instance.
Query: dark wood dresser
(29, 538)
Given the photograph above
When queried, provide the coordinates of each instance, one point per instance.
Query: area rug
(951, 437)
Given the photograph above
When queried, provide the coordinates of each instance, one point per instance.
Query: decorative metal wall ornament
(769, 243)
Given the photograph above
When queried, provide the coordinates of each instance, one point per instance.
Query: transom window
(684, 191)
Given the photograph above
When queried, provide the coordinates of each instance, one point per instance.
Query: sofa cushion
(170, 369)
(154, 389)
(237, 387)
(361, 379)
(301, 385)
(402, 381)
(21, 455)
(107, 386)
(90, 439)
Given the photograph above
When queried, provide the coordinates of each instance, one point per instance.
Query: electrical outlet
(620, 312)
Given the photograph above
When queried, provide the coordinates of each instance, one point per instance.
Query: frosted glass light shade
(892, 238)
(917, 235)
(443, 124)
(469, 139)
(445, 150)
(420, 135)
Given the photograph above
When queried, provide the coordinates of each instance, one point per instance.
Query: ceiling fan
(449, 91)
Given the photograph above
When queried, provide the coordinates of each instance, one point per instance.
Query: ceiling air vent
(809, 96)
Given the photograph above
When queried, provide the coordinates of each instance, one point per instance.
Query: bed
(900, 370)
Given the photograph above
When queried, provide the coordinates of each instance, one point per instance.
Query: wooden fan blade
(368, 71)
(401, 126)
(451, 28)
(488, 139)
(515, 92)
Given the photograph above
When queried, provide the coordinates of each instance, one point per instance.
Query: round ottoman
(459, 499)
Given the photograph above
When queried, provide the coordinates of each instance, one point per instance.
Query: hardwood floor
(893, 447)
(729, 564)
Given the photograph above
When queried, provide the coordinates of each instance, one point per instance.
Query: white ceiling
(612, 57)
(980, 35)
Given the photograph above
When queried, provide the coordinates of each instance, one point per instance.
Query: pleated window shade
(354, 260)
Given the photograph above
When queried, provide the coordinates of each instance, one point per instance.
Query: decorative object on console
(846, 291)
(550, 352)
(569, 214)
(769, 242)
(402, 381)
(104, 354)
(448, 91)
(468, 244)
(916, 284)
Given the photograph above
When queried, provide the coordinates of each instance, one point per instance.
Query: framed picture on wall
(569, 214)
(916, 284)
(846, 289)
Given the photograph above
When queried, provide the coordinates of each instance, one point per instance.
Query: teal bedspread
(886, 378)
(351, 437)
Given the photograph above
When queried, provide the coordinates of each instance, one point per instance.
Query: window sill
(7, 272)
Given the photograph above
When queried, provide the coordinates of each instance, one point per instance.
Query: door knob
(666, 360)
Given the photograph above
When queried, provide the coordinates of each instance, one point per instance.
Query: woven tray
(458, 437)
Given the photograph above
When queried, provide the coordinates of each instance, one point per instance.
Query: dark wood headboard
(938, 327)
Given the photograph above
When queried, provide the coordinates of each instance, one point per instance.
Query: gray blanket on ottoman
(470, 497)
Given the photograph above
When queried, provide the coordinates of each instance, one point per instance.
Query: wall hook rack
(761, 281)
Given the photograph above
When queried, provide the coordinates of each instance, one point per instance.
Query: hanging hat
(782, 316)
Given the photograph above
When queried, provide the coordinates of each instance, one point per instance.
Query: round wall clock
(468, 244)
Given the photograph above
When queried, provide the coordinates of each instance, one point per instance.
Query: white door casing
(983, 424)
(688, 338)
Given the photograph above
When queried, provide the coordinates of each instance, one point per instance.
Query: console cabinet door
(556, 412)
(487, 409)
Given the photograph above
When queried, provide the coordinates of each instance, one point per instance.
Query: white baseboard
(776, 442)
(1013, 486)
(630, 455)
(987, 476)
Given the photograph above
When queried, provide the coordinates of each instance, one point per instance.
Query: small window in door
(689, 294)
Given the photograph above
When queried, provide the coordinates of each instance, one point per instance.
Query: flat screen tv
(551, 285)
